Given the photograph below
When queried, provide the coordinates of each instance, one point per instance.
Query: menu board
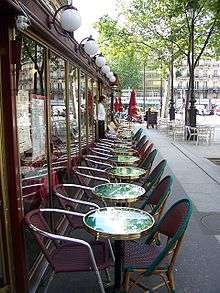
(38, 130)
(23, 121)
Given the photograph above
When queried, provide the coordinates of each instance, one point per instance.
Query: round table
(123, 151)
(121, 193)
(127, 173)
(118, 223)
(124, 160)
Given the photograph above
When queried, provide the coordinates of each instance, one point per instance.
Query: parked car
(217, 110)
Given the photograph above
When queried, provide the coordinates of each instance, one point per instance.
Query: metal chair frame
(60, 238)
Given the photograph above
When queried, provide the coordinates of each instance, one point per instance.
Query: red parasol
(132, 108)
(120, 106)
(116, 105)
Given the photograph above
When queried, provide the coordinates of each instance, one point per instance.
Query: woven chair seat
(141, 255)
(75, 258)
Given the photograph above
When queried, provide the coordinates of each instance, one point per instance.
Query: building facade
(207, 84)
(151, 95)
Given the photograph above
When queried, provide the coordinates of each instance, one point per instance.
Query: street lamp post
(144, 87)
(191, 117)
(161, 87)
(172, 109)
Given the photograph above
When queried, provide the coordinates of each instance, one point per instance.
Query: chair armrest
(81, 202)
(39, 176)
(96, 157)
(72, 185)
(92, 177)
(102, 154)
(33, 185)
(98, 163)
(100, 149)
(61, 237)
(104, 146)
(89, 169)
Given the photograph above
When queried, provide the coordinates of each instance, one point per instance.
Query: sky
(91, 11)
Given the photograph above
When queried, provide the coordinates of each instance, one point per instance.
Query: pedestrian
(101, 117)
(147, 117)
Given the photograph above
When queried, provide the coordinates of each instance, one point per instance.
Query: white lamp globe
(100, 61)
(70, 20)
(90, 47)
(112, 79)
(109, 74)
(105, 69)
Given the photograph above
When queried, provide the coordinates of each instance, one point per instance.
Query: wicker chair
(146, 259)
(156, 201)
(141, 142)
(148, 161)
(155, 176)
(80, 206)
(137, 135)
(35, 189)
(143, 148)
(67, 254)
(146, 152)
(90, 176)
(97, 164)
(65, 194)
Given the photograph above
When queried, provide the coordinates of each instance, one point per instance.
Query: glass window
(31, 131)
(83, 116)
(73, 110)
(58, 115)
(91, 109)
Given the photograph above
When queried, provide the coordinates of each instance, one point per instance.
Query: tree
(183, 28)
(122, 56)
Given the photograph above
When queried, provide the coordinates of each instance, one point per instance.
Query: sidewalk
(199, 179)
(198, 262)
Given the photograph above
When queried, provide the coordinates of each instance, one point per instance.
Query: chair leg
(171, 281)
(126, 281)
(49, 281)
(111, 250)
(108, 277)
(96, 271)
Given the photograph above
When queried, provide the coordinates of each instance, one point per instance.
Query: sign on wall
(38, 130)
(23, 121)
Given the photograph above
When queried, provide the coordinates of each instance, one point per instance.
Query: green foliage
(151, 31)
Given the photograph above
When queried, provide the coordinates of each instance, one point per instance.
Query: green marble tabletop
(120, 223)
(127, 172)
(128, 160)
(123, 151)
(119, 192)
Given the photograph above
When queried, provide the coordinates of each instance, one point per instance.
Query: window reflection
(91, 110)
(58, 114)
(31, 132)
(107, 106)
(73, 110)
(83, 118)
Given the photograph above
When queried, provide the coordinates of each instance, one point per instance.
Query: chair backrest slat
(148, 161)
(36, 219)
(141, 142)
(159, 195)
(173, 224)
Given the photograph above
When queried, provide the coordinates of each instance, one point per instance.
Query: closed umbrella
(116, 105)
(120, 106)
(132, 107)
